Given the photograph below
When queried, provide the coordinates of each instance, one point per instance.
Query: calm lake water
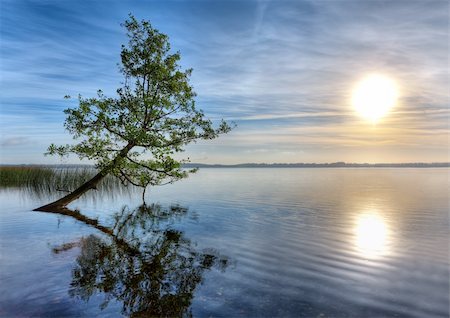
(236, 243)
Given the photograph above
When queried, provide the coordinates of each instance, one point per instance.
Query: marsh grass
(47, 180)
(24, 176)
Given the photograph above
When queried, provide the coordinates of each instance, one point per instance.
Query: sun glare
(371, 235)
(374, 96)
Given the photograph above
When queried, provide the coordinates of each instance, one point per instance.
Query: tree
(135, 135)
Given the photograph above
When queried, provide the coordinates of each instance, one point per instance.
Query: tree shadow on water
(142, 262)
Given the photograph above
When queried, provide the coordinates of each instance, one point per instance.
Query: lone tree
(135, 135)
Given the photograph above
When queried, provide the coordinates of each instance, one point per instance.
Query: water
(236, 242)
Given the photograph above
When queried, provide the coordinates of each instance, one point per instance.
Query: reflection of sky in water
(371, 235)
(306, 243)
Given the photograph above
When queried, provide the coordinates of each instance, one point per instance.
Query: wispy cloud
(283, 70)
(14, 141)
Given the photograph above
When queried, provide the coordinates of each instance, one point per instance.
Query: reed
(18, 176)
(45, 179)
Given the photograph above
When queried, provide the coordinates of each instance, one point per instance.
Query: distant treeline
(274, 165)
(324, 165)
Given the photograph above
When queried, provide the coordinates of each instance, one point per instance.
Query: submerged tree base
(52, 209)
(62, 210)
(49, 208)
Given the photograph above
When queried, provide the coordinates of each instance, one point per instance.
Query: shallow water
(237, 242)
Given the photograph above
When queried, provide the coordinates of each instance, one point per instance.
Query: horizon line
(336, 163)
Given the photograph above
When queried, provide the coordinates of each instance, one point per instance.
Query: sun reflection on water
(371, 235)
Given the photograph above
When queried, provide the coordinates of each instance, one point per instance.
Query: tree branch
(124, 175)
(150, 168)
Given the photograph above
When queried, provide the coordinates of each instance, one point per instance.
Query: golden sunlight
(374, 96)
(371, 235)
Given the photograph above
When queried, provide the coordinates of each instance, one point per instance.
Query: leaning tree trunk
(60, 205)
(57, 205)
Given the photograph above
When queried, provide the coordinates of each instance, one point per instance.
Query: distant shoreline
(270, 165)
(323, 165)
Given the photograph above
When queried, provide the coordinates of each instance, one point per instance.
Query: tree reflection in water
(146, 265)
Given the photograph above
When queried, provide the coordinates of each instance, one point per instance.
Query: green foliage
(135, 135)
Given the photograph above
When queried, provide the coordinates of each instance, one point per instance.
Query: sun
(374, 96)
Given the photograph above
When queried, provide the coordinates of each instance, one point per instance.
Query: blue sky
(282, 70)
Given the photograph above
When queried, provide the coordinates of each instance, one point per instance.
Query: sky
(283, 71)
